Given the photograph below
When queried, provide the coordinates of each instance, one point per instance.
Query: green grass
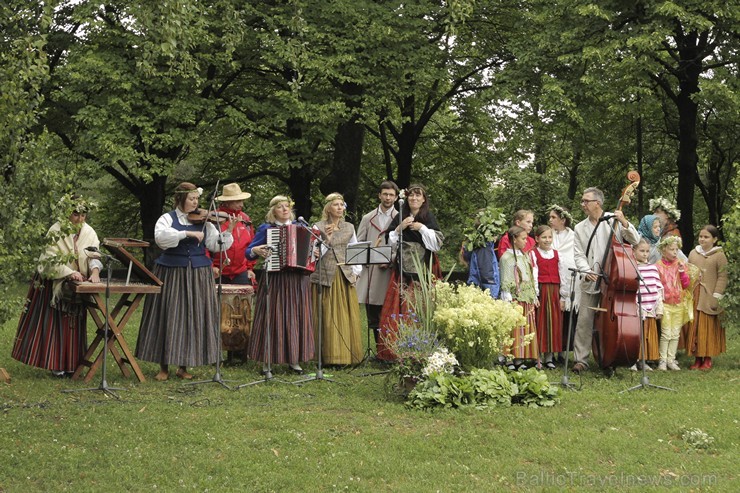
(353, 436)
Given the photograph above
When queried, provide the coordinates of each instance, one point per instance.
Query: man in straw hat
(236, 268)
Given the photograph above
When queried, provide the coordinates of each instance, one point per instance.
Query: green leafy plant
(697, 439)
(484, 388)
(488, 225)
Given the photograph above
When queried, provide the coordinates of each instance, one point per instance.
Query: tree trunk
(690, 69)
(344, 176)
(151, 204)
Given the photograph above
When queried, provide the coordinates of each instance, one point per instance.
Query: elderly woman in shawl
(649, 228)
(52, 332)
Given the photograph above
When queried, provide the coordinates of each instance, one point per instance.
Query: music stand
(217, 375)
(103, 387)
(363, 253)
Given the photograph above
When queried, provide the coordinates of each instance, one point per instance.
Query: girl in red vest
(549, 314)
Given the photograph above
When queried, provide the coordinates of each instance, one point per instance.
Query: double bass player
(592, 239)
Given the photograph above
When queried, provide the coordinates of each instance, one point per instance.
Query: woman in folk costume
(52, 330)
(707, 336)
(649, 228)
(289, 320)
(179, 324)
(563, 242)
(421, 238)
(341, 343)
(519, 285)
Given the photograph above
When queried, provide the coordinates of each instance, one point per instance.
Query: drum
(236, 316)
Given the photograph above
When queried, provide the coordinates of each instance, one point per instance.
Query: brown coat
(713, 268)
(373, 283)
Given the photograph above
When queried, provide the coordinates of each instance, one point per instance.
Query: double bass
(616, 340)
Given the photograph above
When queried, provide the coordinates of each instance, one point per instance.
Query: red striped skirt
(50, 337)
(290, 319)
(549, 319)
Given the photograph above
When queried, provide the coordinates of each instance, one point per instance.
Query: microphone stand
(319, 375)
(400, 280)
(644, 380)
(267, 373)
(103, 387)
(217, 375)
(564, 382)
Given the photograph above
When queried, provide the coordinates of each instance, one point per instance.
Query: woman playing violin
(178, 325)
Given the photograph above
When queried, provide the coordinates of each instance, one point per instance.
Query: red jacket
(243, 233)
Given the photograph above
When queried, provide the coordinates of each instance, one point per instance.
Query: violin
(201, 216)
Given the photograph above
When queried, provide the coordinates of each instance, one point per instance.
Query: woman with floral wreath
(52, 330)
(341, 342)
(563, 242)
(290, 319)
(178, 324)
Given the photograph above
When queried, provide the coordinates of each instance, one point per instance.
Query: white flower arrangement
(441, 361)
(667, 206)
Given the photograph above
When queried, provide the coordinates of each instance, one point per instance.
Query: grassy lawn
(353, 436)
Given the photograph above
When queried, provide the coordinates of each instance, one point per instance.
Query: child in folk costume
(707, 336)
(524, 218)
(650, 301)
(552, 293)
(518, 284)
(677, 300)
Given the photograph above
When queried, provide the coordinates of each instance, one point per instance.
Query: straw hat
(233, 192)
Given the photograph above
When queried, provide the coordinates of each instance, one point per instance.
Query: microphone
(302, 221)
(104, 256)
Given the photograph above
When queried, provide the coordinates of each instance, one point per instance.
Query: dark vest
(188, 252)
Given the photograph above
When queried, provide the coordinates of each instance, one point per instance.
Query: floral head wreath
(281, 198)
(564, 214)
(667, 241)
(335, 196)
(77, 204)
(199, 190)
(667, 206)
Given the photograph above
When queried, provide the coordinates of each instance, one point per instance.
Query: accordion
(292, 248)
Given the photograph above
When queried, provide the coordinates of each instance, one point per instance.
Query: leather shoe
(578, 368)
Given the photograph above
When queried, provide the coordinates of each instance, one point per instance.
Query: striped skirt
(289, 319)
(650, 332)
(549, 319)
(341, 343)
(706, 337)
(518, 349)
(179, 325)
(53, 338)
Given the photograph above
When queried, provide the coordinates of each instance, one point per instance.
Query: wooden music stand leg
(4, 375)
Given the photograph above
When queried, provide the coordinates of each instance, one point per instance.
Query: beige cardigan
(713, 280)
